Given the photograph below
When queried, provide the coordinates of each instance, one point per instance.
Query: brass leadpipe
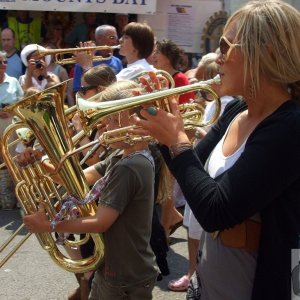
(57, 53)
(92, 113)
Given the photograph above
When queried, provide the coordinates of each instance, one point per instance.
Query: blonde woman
(242, 180)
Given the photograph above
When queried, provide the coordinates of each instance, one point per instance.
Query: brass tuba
(43, 114)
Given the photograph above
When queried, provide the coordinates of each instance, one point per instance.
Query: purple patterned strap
(69, 210)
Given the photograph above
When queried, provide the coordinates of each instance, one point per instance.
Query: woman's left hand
(37, 222)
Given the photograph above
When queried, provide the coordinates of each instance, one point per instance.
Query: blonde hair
(209, 65)
(119, 90)
(101, 76)
(207, 59)
(268, 32)
(123, 89)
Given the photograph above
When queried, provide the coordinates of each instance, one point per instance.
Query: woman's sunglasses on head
(226, 47)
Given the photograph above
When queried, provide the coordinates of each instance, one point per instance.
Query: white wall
(201, 11)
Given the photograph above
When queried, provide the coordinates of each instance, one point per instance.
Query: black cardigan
(265, 179)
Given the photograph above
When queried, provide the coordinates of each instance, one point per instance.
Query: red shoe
(179, 285)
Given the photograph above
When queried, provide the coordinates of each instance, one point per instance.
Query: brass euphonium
(43, 113)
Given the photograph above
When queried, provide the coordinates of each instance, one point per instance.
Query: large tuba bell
(43, 114)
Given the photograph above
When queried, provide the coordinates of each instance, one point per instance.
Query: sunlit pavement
(32, 275)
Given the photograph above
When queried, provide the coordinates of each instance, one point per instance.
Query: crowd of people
(238, 179)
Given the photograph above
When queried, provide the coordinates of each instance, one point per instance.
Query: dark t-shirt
(129, 258)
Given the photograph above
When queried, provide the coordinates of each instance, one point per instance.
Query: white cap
(31, 48)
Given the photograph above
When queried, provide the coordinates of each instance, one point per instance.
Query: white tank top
(217, 163)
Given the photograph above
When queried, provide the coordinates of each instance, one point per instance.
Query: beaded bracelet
(178, 148)
(53, 225)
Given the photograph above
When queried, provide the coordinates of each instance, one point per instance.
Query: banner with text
(104, 6)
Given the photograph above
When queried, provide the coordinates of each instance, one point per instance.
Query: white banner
(106, 6)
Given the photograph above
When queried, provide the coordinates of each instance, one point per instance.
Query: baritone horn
(58, 53)
(44, 115)
(92, 113)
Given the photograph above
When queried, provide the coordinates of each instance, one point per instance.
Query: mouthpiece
(215, 80)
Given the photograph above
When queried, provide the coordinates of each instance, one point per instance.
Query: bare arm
(90, 173)
(30, 156)
(100, 222)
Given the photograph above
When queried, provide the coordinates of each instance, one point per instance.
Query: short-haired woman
(136, 45)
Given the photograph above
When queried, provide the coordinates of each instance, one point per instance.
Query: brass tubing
(14, 250)
(44, 114)
(64, 61)
(7, 242)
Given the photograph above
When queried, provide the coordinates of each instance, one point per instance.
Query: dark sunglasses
(84, 89)
(226, 47)
(3, 62)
